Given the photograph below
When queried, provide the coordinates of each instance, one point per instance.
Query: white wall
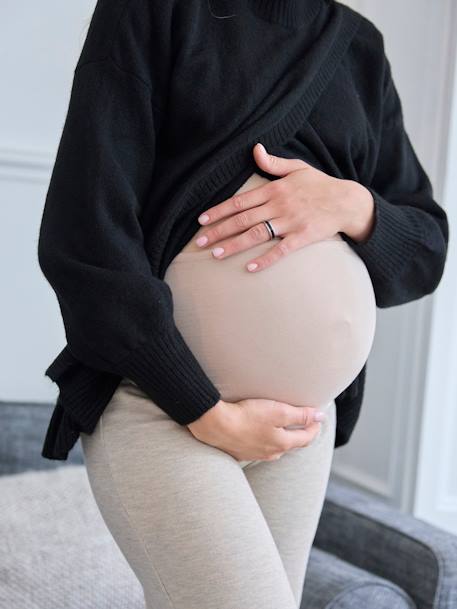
(39, 45)
(436, 491)
(383, 455)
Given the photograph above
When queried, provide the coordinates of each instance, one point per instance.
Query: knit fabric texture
(167, 102)
(51, 523)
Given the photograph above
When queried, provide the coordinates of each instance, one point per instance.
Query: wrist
(217, 417)
(358, 212)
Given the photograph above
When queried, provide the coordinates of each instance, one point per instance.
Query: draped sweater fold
(167, 102)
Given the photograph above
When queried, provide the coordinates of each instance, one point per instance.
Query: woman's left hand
(304, 206)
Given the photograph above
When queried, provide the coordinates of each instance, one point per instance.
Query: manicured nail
(217, 251)
(202, 240)
(252, 266)
(203, 218)
(319, 415)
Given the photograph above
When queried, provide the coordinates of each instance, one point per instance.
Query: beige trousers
(200, 529)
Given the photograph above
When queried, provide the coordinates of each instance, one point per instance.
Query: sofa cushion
(358, 527)
(56, 550)
(22, 431)
(332, 583)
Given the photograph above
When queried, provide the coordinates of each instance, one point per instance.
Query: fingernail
(251, 266)
(203, 218)
(319, 415)
(217, 251)
(202, 240)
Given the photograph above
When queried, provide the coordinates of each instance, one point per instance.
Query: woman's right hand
(253, 429)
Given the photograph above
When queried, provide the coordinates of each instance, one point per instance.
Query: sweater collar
(292, 13)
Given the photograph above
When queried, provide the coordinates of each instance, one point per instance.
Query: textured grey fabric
(332, 583)
(53, 520)
(56, 552)
(22, 430)
(420, 558)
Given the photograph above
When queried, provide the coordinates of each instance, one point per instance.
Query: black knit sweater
(167, 102)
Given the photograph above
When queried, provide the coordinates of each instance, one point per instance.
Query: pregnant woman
(218, 297)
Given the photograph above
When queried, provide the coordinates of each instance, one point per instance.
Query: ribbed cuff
(395, 238)
(167, 371)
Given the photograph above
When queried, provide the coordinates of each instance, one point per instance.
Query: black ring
(270, 228)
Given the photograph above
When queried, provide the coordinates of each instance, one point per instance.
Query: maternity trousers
(200, 529)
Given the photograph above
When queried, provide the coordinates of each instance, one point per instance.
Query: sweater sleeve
(406, 251)
(118, 316)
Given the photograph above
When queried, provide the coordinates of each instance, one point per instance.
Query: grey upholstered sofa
(57, 552)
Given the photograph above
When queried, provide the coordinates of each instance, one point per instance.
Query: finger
(287, 414)
(250, 238)
(242, 221)
(282, 248)
(274, 457)
(298, 438)
(276, 165)
(240, 201)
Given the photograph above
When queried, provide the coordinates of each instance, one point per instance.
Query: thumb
(276, 165)
(297, 417)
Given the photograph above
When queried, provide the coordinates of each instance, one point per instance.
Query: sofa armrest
(415, 555)
(332, 583)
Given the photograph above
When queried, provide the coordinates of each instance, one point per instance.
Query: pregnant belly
(299, 331)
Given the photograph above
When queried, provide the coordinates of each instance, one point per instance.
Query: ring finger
(258, 233)
(239, 221)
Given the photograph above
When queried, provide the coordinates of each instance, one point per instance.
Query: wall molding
(401, 484)
(436, 489)
(25, 164)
